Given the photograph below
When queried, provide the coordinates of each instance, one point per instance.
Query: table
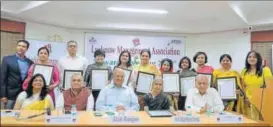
(88, 119)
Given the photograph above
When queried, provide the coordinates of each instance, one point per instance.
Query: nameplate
(9, 114)
(124, 119)
(186, 119)
(229, 119)
(63, 119)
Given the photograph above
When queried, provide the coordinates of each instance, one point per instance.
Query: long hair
(29, 90)
(169, 61)
(259, 66)
(128, 64)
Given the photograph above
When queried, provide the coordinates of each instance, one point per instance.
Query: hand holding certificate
(171, 82)
(186, 84)
(68, 77)
(144, 82)
(99, 78)
(45, 70)
(227, 88)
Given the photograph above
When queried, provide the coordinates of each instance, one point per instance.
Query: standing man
(13, 73)
(72, 61)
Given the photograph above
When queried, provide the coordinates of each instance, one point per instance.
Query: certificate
(45, 70)
(209, 77)
(127, 75)
(144, 82)
(186, 83)
(99, 78)
(67, 78)
(227, 87)
(171, 82)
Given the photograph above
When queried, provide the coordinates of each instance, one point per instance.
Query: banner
(56, 50)
(160, 47)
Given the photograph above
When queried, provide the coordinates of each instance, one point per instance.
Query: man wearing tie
(203, 98)
(13, 73)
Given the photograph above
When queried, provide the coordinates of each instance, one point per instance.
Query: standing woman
(253, 76)
(167, 67)
(201, 58)
(43, 54)
(226, 71)
(124, 60)
(145, 66)
(185, 71)
(99, 64)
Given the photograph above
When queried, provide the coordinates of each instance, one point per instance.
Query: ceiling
(182, 17)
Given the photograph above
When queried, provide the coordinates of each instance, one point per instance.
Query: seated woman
(35, 97)
(157, 100)
(77, 95)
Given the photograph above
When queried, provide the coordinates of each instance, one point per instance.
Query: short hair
(72, 41)
(185, 58)
(147, 51)
(225, 55)
(200, 76)
(24, 41)
(45, 48)
(99, 52)
(74, 75)
(200, 53)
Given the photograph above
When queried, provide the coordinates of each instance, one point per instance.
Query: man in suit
(13, 72)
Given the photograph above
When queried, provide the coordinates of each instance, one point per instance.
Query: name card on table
(124, 119)
(63, 119)
(186, 119)
(229, 119)
(9, 114)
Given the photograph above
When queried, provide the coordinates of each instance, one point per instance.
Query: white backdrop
(56, 49)
(160, 47)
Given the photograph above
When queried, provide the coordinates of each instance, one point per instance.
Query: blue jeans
(8, 105)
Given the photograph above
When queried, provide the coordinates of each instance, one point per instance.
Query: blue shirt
(23, 66)
(113, 96)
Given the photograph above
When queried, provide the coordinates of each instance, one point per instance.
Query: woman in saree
(35, 97)
(226, 71)
(144, 66)
(156, 99)
(43, 55)
(166, 66)
(253, 76)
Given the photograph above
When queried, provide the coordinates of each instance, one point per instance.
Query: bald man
(203, 98)
(116, 96)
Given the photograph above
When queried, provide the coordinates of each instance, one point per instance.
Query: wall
(235, 43)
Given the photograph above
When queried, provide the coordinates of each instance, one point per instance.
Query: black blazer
(11, 82)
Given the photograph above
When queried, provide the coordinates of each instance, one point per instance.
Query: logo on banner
(136, 42)
(92, 40)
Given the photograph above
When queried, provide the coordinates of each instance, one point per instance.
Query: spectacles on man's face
(72, 46)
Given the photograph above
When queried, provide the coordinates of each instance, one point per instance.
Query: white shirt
(90, 102)
(71, 63)
(23, 101)
(212, 98)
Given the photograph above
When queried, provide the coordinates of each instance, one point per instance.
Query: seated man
(203, 98)
(117, 97)
(156, 99)
(78, 95)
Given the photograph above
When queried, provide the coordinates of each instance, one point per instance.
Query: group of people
(20, 89)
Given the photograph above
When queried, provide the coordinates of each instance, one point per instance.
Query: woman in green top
(185, 71)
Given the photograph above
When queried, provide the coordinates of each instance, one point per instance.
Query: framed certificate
(127, 75)
(209, 77)
(67, 77)
(226, 87)
(144, 82)
(186, 83)
(99, 78)
(171, 82)
(45, 70)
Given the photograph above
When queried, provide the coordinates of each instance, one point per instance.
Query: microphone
(48, 112)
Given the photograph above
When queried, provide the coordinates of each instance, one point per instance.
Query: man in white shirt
(203, 97)
(77, 95)
(71, 61)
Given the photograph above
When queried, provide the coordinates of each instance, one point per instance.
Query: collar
(20, 57)
(68, 56)
(114, 86)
